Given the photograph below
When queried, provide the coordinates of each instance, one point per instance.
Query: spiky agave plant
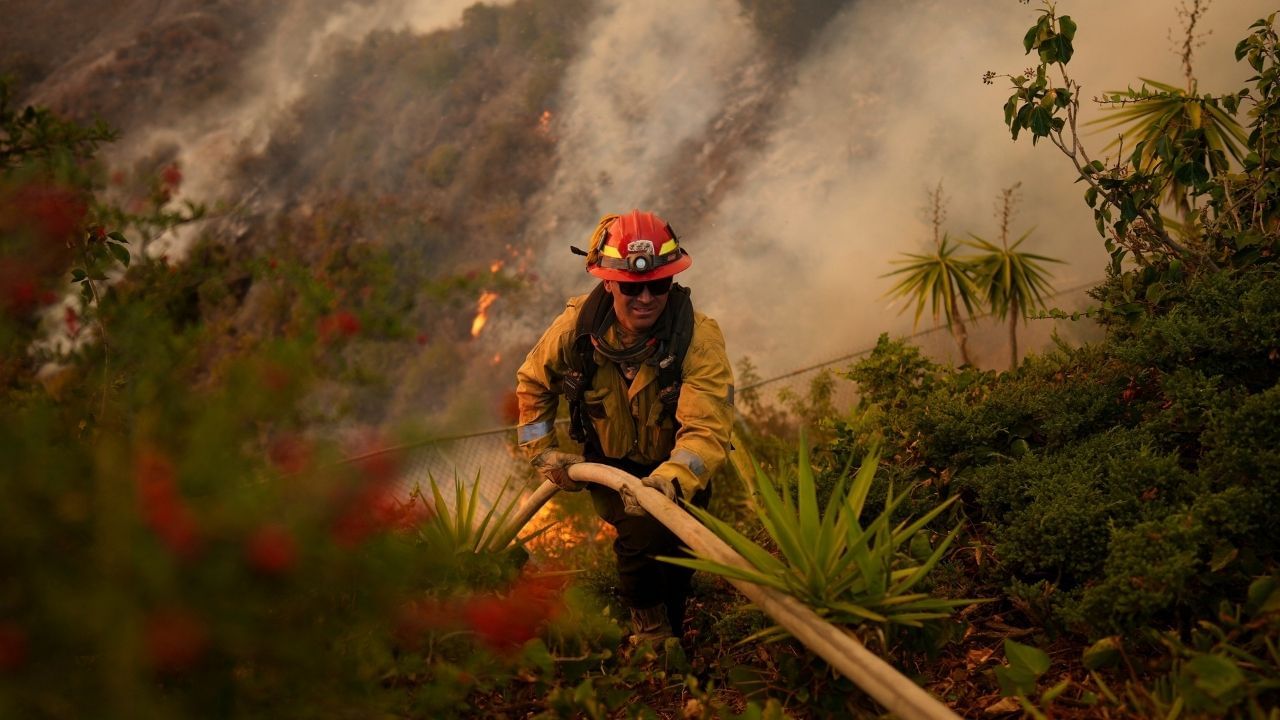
(461, 529)
(848, 572)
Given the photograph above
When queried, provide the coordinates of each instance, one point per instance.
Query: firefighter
(650, 391)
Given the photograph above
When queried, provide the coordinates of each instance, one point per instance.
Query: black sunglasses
(656, 287)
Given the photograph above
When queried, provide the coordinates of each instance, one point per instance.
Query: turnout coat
(628, 416)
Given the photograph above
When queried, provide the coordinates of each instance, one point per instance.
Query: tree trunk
(960, 333)
(1013, 334)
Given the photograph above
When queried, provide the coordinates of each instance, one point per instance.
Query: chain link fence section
(487, 460)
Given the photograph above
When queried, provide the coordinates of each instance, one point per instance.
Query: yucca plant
(846, 571)
(1010, 281)
(944, 281)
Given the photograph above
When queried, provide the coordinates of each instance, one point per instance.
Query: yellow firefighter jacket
(628, 416)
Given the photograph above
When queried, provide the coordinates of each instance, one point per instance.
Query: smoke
(209, 139)
(887, 104)
(651, 79)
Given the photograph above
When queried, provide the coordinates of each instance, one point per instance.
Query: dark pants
(645, 581)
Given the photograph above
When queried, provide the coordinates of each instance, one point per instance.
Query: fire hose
(844, 652)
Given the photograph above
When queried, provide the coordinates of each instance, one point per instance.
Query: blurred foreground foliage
(176, 540)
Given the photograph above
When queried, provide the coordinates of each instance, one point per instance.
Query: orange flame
(482, 317)
(544, 123)
(495, 266)
(567, 534)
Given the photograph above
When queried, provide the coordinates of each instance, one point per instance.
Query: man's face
(636, 313)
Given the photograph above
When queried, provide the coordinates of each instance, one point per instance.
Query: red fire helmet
(635, 247)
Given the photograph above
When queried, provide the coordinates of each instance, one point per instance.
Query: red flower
(418, 617)
(506, 622)
(290, 454)
(171, 176)
(55, 212)
(13, 646)
(392, 513)
(272, 550)
(72, 321)
(162, 506)
(338, 324)
(175, 639)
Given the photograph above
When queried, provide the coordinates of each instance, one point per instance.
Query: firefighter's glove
(553, 465)
(666, 486)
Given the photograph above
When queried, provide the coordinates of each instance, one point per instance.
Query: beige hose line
(842, 650)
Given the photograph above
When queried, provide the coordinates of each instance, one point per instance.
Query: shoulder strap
(671, 367)
(582, 364)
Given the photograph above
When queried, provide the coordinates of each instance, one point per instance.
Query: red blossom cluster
(175, 639)
(39, 222)
(171, 176)
(376, 503)
(53, 212)
(341, 324)
(72, 321)
(377, 507)
(271, 550)
(290, 454)
(163, 508)
(503, 622)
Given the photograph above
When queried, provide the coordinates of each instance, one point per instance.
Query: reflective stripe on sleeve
(691, 460)
(534, 431)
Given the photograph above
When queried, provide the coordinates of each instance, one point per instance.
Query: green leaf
(1026, 657)
(1264, 596)
(1101, 654)
(1068, 27)
(1211, 683)
(1029, 40)
(78, 275)
(120, 252)
(117, 236)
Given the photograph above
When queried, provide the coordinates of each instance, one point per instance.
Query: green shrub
(1148, 571)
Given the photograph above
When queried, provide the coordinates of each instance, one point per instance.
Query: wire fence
(490, 460)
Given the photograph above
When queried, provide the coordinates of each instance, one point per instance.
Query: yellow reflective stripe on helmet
(611, 251)
(668, 246)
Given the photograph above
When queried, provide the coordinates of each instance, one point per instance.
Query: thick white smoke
(651, 78)
(211, 137)
(889, 102)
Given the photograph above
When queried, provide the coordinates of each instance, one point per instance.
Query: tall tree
(942, 279)
(1010, 281)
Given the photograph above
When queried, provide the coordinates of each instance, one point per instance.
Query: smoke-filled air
(746, 359)
(796, 169)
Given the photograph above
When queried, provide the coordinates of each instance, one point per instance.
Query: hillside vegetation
(179, 537)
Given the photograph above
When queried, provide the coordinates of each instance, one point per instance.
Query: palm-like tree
(944, 281)
(1174, 134)
(1010, 281)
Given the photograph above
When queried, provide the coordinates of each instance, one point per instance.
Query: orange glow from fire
(495, 266)
(567, 534)
(482, 317)
(544, 123)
